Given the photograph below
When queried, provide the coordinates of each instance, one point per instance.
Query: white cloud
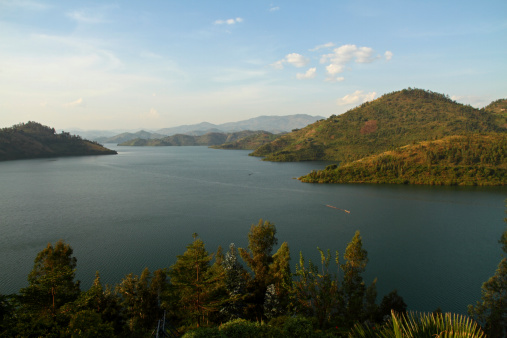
(310, 74)
(388, 55)
(357, 97)
(333, 69)
(152, 114)
(326, 45)
(346, 54)
(228, 21)
(78, 103)
(274, 8)
(295, 59)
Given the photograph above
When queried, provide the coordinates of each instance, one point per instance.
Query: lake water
(122, 213)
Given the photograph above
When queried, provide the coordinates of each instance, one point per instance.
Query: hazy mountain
(129, 136)
(272, 124)
(209, 139)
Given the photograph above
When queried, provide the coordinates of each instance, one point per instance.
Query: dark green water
(435, 245)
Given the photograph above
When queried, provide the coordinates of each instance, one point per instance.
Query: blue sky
(155, 64)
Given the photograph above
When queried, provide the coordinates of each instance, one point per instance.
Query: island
(34, 140)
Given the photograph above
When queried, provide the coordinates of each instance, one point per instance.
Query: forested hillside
(394, 120)
(33, 140)
(250, 142)
(455, 160)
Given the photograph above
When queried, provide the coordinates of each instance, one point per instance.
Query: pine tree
(353, 286)
(51, 285)
(195, 283)
(261, 240)
(235, 284)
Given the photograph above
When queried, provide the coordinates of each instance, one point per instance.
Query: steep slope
(33, 140)
(393, 120)
(455, 160)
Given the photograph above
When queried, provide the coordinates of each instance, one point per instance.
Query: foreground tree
(492, 310)
(353, 286)
(51, 285)
(235, 285)
(196, 284)
(261, 240)
(317, 293)
(140, 297)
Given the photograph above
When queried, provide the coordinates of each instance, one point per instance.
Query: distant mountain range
(208, 139)
(272, 124)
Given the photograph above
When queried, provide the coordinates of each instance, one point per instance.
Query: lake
(137, 209)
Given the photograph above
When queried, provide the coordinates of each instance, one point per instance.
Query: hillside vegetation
(209, 139)
(394, 120)
(33, 140)
(454, 160)
(250, 142)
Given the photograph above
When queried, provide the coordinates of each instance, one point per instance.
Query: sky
(99, 65)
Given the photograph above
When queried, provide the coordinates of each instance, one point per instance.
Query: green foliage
(240, 328)
(261, 240)
(235, 284)
(421, 326)
(51, 281)
(196, 284)
(492, 310)
(249, 142)
(391, 302)
(392, 121)
(317, 294)
(140, 300)
(33, 140)
(463, 160)
(89, 324)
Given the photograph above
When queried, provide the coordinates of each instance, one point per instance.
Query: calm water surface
(435, 245)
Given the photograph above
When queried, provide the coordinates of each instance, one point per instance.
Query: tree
(317, 294)
(492, 310)
(195, 283)
(353, 286)
(235, 284)
(391, 302)
(51, 285)
(101, 300)
(141, 299)
(261, 240)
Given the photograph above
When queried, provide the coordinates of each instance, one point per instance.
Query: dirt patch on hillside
(369, 127)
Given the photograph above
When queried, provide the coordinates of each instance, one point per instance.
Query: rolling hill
(209, 139)
(33, 140)
(391, 121)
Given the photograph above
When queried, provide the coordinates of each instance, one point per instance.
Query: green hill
(33, 140)
(209, 139)
(394, 120)
(455, 160)
(250, 142)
